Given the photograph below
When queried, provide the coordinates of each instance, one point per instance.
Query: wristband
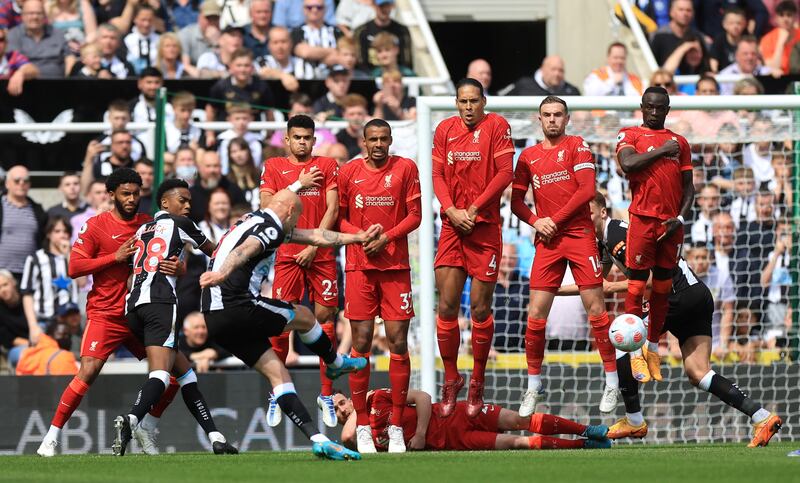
(295, 187)
(680, 218)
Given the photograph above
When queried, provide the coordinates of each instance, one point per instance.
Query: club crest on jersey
(476, 137)
(93, 346)
(560, 156)
(651, 148)
(508, 134)
(620, 137)
(387, 181)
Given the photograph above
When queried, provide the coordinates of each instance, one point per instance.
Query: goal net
(745, 154)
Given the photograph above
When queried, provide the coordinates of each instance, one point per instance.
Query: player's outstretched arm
(327, 238)
(422, 401)
(235, 259)
(630, 161)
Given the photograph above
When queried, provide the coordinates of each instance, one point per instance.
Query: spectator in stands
(142, 42)
(480, 70)
(722, 158)
(96, 166)
(776, 46)
(758, 155)
(315, 41)
(351, 14)
(710, 15)
(119, 115)
(386, 50)
(241, 86)
(383, 22)
(146, 170)
(22, 222)
(143, 107)
(747, 62)
(235, 13)
(613, 79)
(76, 19)
(391, 103)
(43, 44)
(347, 56)
(547, 80)
(743, 206)
(14, 66)
(10, 14)
(240, 116)
(109, 43)
(51, 356)
(216, 65)
(280, 64)
(169, 58)
(46, 285)
(69, 185)
(776, 279)
(182, 132)
(209, 178)
(679, 34)
(355, 113)
(724, 232)
(291, 13)
(723, 49)
(91, 65)
(13, 325)
(782, 185)
(300, 103)
(99, 201)
(338, 84)
(243, 171)
(196, 345)
(201, 37)
(511, 296)
(339, 152)
(666, 79)
(709, 201)
(185, 165)
(706, 124)
(256, 33)
(183, 12)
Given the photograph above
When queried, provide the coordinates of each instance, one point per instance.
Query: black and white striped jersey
(46, 278)
(237, 289)
(158, 240)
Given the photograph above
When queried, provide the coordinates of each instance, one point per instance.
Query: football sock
(628, 386)
(548, 424)
(326, 385)
(600, 325)
(659, 302)
(636, 419)
(216, 436)
(195, 401)
(730, 394)
(634, 296)
(293, 408)
(150, 393)
(70, 399)
(280, 345)
(166, 398)
(319, 343)
(534, 382)
(399, 375)
(534, 346)
(482, 334)
(52, 433)
(449, 339)
(359, 384)
(546, 442)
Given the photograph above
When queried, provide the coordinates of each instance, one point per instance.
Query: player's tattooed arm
(630, 161)
(235, 259)
(328, 238)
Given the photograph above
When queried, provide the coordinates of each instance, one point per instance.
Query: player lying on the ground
(424, 426)
(151, 308)
(242, 322)
(690, 310)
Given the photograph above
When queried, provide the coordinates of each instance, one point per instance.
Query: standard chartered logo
(359, 201)
(367, 201)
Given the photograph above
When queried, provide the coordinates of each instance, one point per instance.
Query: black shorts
(154, 325)
(690, 313)
(244, 330)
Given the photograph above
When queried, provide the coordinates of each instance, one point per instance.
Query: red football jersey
(373, 196)
(658, 189)
(551, 172)
(102, 235)
(280, 173)
(468, 156)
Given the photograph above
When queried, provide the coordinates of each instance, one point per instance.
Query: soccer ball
(627, 333)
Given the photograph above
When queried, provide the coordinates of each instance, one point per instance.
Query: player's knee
(480, 311)
(448, 310)
(398, 346)
(89, 370)
(325, 314)
(303, 318)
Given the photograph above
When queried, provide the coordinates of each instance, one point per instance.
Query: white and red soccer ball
(627, 333)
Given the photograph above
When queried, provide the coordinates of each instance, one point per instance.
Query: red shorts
(644, 252)
(477, 253)
(387, 293)
(291, 281)
(550, 262)
(462, 433)
(102, 337)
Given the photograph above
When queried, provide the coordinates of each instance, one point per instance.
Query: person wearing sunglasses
(22, 222)
(291, 13)
(14, 66)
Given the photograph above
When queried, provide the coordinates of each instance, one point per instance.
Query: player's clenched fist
(460, 219)
(126, 250)
(671, 148)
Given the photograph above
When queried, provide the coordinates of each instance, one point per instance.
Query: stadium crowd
(738, 241)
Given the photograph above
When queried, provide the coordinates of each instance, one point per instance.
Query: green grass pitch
(672, 463)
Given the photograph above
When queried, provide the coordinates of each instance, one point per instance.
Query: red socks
(449, 339)
(359, 385)
(634, 297)
(399, 375)
(482, 334)
(546, 442)
(600, 325)
(534, 344)
(166, 397)
(326, 385)
(280, 345)
(659, 302)
(549, 424)
(70, 399)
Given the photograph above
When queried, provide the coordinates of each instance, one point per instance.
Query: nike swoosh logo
(649, 135)
(358, 181)
(286, 172)
(327, 298)
(450, 139)
(534, 161)
(489, 274)
(114, 237)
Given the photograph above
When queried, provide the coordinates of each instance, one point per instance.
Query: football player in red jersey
(305, 267)
(425, 428)
(658, 164)
(561, 170)
(102, 249)
(379, 189)
(472, 165)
